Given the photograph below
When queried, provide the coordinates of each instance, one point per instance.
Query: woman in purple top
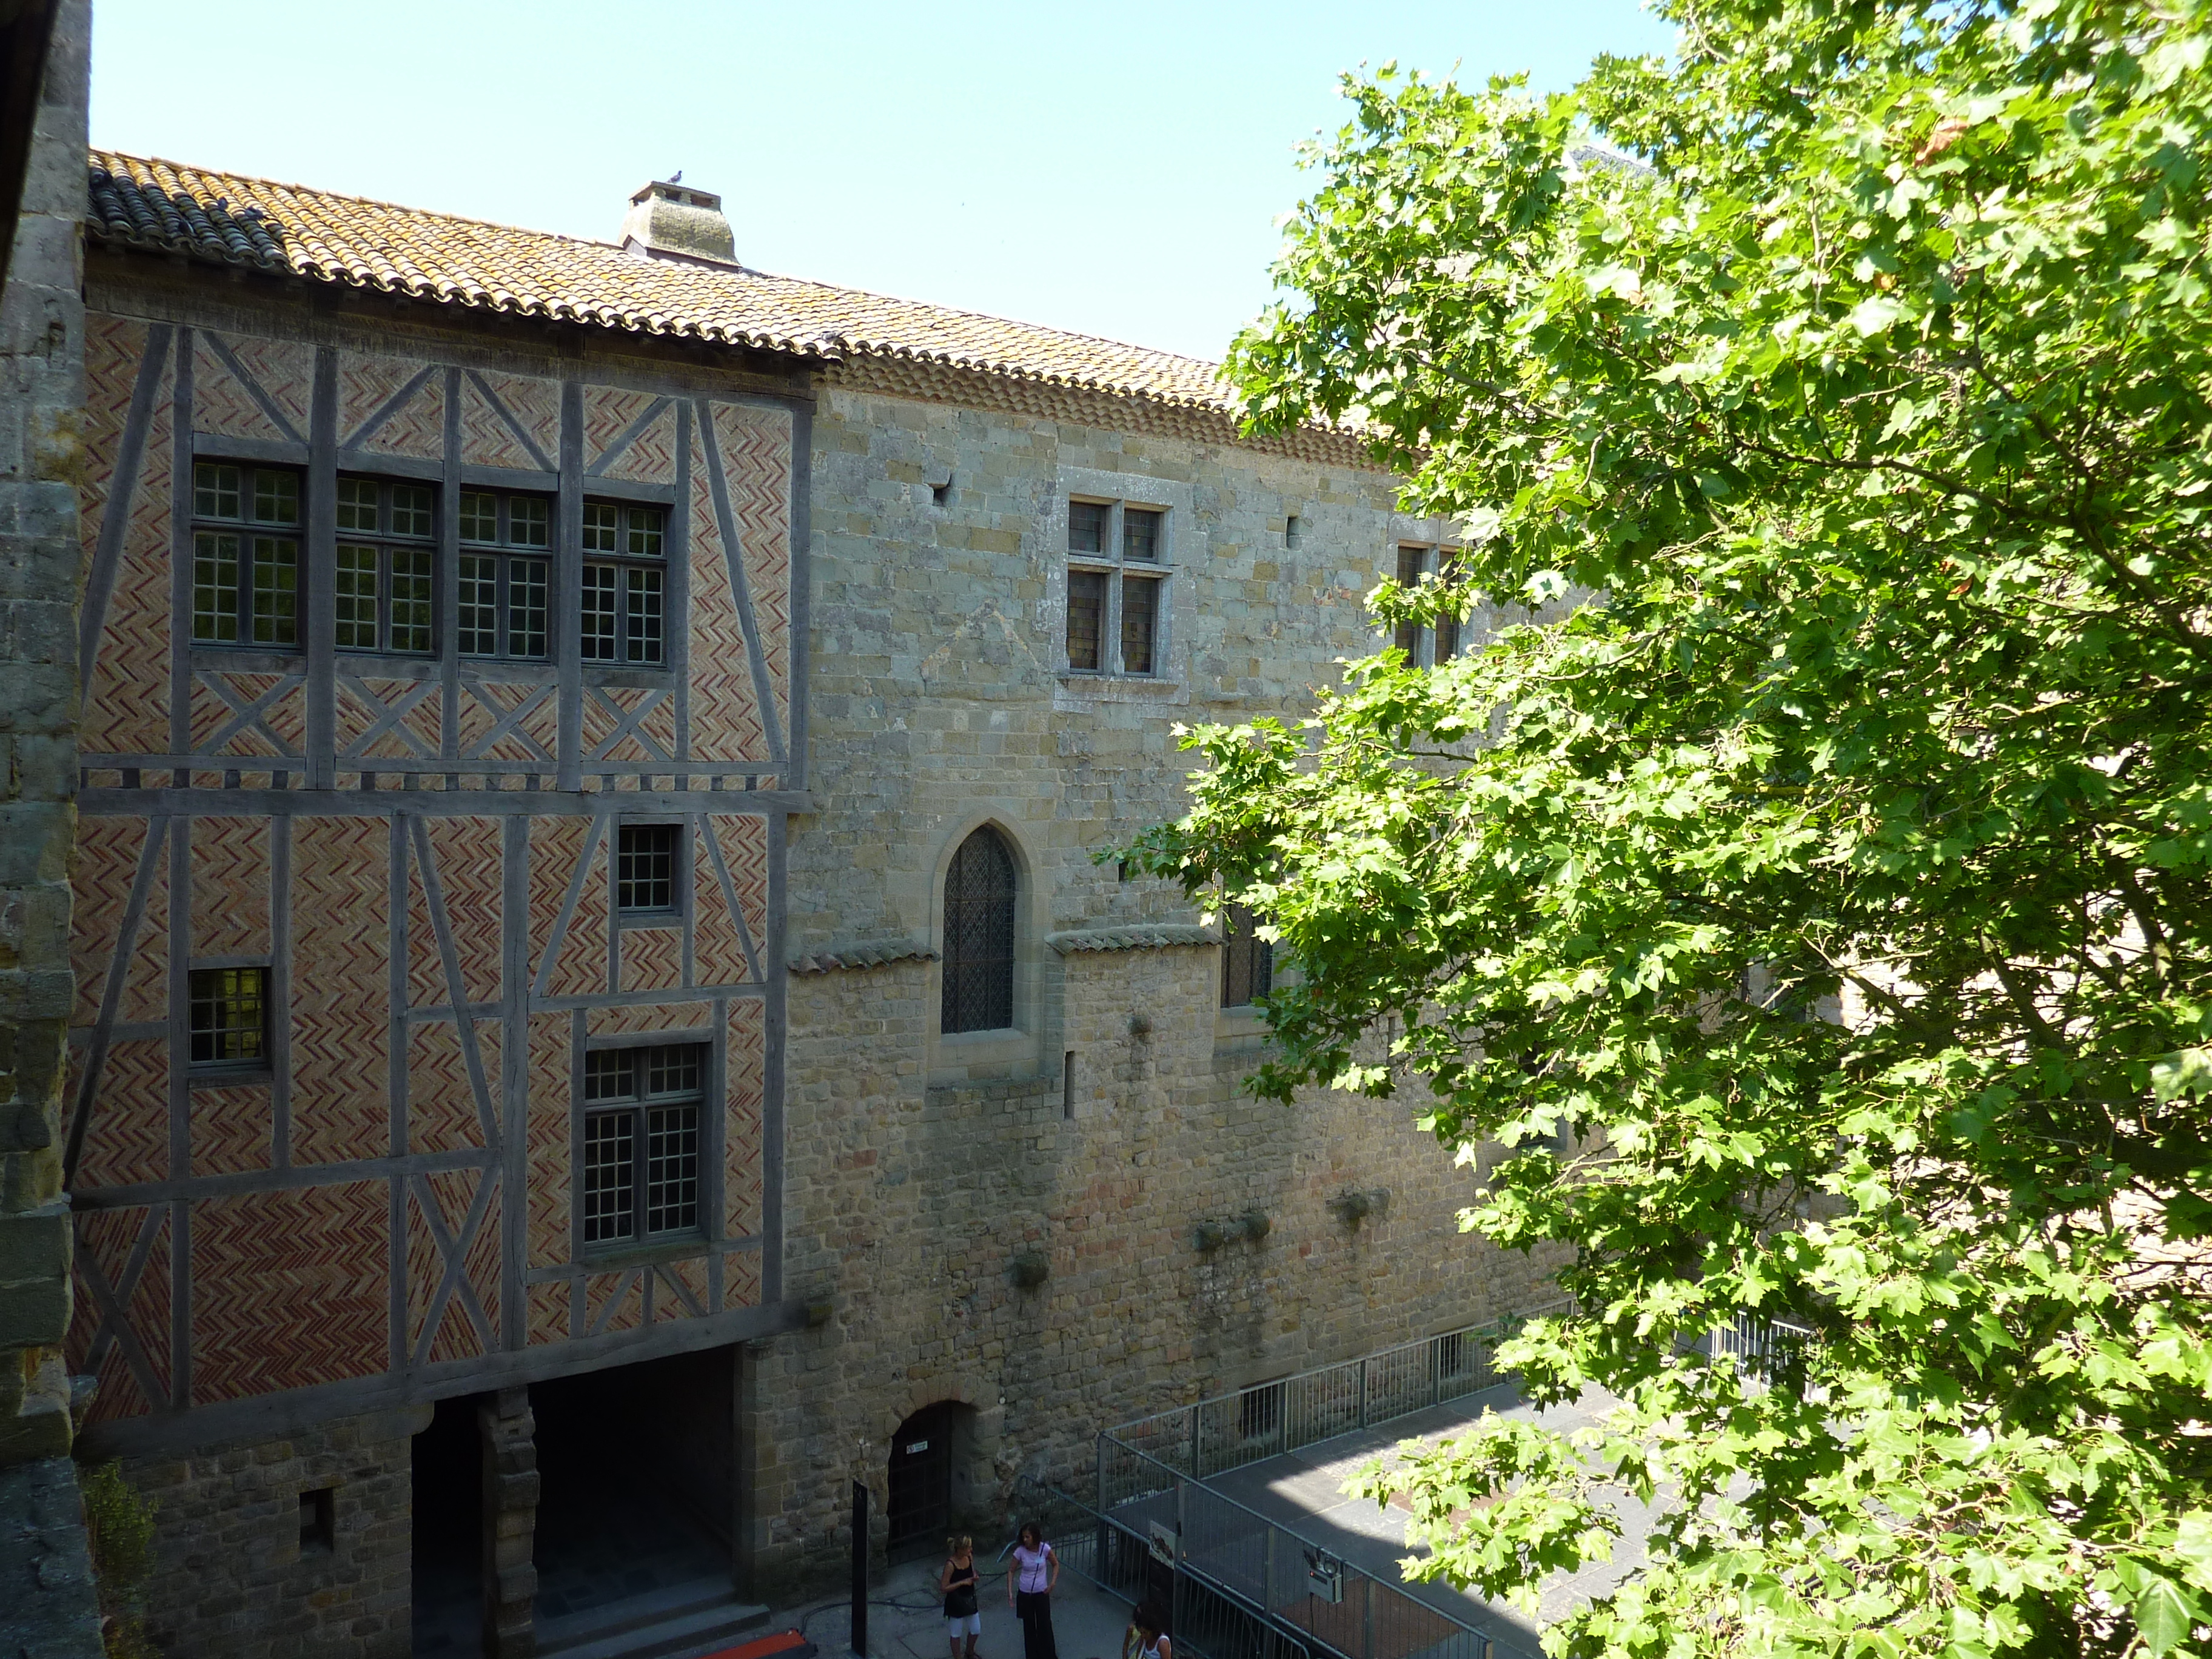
(1029, 1578)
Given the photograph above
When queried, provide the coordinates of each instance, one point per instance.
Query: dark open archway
(930, 1493)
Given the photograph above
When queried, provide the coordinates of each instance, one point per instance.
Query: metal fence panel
(1227, 1432)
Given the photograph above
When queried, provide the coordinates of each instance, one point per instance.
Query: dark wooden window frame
(627, 566)
(1111, 563)
(215, 483)
(508, 556)
(679, 905)
(388, 540)
(217, 1044)
(663, 1125)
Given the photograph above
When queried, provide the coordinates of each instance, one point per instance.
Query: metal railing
(1207, 1620)
(1337, 1608)
(1771, 1350)
(1213, 1437)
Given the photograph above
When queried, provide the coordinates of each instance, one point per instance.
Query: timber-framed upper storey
(394, 871)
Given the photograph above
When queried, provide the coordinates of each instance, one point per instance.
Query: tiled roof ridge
(1141, 936)
(551, 273)
(850, 957)
(102, 156)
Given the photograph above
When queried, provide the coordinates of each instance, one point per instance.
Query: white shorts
(967, 1625)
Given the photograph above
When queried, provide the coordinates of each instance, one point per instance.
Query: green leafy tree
(1831, 866)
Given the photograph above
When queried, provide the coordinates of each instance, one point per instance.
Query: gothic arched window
(978, 935)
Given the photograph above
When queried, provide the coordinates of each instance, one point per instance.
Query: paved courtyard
(1303, 1493)
(905, 1620)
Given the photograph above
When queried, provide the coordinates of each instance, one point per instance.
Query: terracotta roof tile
(434, 256)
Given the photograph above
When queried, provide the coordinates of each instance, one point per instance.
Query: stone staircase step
(675, 1622)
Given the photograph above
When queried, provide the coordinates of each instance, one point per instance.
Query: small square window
(479, 517)
(216, 492)
(609, 1073)
(602, 526)
(276, 498)
(645, 868)
(410, 510)
(357, 504)
(1140, 533)
(1086, 527)
(229, 1016)
(645, 537)
(529, 521)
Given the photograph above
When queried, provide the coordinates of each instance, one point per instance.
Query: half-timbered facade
(591, 764)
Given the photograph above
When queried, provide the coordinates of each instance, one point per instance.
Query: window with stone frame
(246, 556)
(641, 1178)
(1426, 647)
(978, 958)
(1247, 961)
(506, 575)
(1118, 571)
(624, 616)
(382, 584)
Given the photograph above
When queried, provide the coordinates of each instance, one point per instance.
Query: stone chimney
(671, 220)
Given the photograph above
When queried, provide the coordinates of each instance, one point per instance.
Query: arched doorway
(929, 1478)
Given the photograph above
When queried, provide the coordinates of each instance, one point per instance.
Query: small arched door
(920, 1513)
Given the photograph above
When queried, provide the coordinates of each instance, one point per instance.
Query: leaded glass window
(1116, 587)
(978, 935)
(1247, 961)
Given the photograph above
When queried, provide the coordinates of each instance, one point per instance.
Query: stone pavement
(1304, 1491)
(904, 1621)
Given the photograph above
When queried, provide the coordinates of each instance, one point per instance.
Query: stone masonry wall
(908, 1206)
(41, 461)
(918, 1167)
(232, 1577)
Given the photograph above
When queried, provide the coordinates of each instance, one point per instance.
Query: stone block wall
(907, 1205)
(41, 467)
(233, 1576)
(918, 1168)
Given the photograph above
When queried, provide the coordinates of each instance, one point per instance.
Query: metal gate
(920, 1508)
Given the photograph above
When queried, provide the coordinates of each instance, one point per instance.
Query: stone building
(47, 1605)
(599, 1019)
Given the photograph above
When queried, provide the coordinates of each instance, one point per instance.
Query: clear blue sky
(1117, 169)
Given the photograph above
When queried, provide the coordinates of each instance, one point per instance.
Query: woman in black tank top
(962, 1618)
